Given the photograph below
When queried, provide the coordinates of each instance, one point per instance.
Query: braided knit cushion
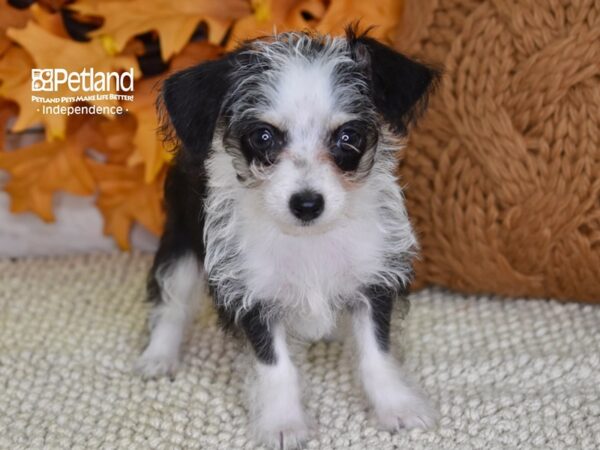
(502, 176)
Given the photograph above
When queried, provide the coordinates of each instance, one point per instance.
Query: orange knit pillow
(502, 176)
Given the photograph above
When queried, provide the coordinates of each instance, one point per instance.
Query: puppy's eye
(350, 142)
(262, 143)
(261, 139)
(350, 139)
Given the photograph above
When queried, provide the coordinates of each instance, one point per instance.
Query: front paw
(409, 410)
(280, 422)
(155, 364)
(283, 434)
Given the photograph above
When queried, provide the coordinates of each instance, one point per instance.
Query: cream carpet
(505, 374)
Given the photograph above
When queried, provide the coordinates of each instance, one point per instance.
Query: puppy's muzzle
(307, 205)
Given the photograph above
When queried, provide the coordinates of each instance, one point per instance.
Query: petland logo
(88, 80)
(89, 91)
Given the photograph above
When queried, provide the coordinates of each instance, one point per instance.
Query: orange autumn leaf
(124, 198)
(7, 111)
(52, 5)
(116, 145)
(11, 17)
(149, 147)
(5, 43)
(49, 51)
(50, 21)
(15, 85)
(276, 16)
(175, 22)
(383, 15)
(195, 53)
(39, 170)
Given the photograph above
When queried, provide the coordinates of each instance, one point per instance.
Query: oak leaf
(175, 22)
(50, 21)
(39, 170)
(11, 17)
(149, 147)
(116, 145)
(273, 16)
(15, 85)
(124, 198)
(8, 110)
(382, 15)
(50, 51)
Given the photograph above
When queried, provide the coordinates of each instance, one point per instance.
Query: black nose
(307, 205)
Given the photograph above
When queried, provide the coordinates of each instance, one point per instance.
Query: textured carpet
(505, 374)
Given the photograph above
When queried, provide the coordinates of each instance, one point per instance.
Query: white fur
(276, 410)
(396, 404)
(291, 67)
(181, 284)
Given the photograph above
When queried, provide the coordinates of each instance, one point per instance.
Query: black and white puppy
(283, 200)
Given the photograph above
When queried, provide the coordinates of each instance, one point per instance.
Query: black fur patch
(193, 99)
(184, 197)
(382, 301)
(257, 331)
(264, 155)
(347, 156)
(399, 85)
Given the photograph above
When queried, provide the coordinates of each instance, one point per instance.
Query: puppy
(283, 200)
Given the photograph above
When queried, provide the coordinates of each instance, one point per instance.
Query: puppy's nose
(307, 205)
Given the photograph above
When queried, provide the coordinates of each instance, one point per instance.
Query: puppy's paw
(280, 423)
(154, 364)
(410, 410)
(283, 435)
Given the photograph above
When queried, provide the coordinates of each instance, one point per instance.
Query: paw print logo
(42, 80)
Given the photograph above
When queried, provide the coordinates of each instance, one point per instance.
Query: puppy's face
(301, 117)
(302, 134)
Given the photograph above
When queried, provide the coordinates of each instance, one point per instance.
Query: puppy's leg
(275, 402)
(396, 403)
(176, 285)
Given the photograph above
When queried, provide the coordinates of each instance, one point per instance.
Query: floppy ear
(192, 99)
(399, 85)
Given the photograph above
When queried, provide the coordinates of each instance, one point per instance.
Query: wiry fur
(325, 282)
(293, 121)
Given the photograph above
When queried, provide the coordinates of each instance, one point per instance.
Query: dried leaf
(383, 15)
(116, 145)
(11, 17)
(15, 84)
(39, 170)
(272, 16)
(125, 198)
(175, 22)
(8, 110)
(149, 147)
(195, 53)
(49, 21)
(49, 51)
(53, 5)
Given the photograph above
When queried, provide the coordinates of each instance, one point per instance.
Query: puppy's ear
(193, 99)
(399, 85)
